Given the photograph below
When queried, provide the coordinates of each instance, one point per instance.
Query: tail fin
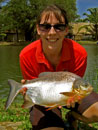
(14, 90)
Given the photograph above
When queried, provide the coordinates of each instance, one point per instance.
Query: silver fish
(50, 89)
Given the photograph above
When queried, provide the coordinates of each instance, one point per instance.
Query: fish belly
(49, 94)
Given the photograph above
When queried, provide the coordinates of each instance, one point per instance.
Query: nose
(52, 31)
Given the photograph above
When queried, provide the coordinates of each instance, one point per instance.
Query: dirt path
(9, 125)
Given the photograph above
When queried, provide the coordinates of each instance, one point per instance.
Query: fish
(50, 89)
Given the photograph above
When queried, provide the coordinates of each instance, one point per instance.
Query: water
(9, 66)
(92, 65)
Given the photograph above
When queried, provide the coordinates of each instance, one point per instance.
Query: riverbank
(14, 43)
(27, 42)
(88, 42)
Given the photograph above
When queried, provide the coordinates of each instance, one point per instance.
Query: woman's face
(52, 37)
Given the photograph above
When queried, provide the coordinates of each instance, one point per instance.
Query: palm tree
(92, 19)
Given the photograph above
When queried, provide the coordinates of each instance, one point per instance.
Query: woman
(52, 52)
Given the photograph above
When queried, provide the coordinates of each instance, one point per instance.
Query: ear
(66, 30)
(38, 30)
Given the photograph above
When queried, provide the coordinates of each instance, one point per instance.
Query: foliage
(2, 36)
(92, 18)
(1, 1)
(21, 15)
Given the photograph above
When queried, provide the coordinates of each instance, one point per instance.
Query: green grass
(88, 42)
(16, 114)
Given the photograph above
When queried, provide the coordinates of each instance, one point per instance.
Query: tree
(92, 18)
(17, 17)
(20, 15)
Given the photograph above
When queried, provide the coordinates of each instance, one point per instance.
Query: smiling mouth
(52, 40)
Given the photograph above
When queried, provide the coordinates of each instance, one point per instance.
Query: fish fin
(44, 74)
(27, 102)
(67, 93)
(14, 90)
(50, 108)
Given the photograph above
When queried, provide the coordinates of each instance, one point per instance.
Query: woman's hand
(23, 81)
(68, 105)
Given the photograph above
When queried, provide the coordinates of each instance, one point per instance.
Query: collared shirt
(33, 61)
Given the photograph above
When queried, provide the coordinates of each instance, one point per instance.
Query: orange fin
(67, 93)
(50, 108)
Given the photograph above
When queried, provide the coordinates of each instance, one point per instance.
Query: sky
(83, 5)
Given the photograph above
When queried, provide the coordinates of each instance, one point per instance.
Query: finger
(68, 105)
(59, 107)
(80, 101)
(46, 106)
(23, 81)
(73, 105)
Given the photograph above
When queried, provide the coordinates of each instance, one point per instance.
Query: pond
(9, 66)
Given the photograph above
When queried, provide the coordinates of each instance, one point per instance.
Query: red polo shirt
(33, 61)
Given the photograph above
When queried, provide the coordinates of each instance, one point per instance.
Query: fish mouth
(90, 89)
(86, 92)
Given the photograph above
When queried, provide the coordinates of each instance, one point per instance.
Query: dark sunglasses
(57, 27)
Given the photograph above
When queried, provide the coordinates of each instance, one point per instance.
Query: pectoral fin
(67, 94)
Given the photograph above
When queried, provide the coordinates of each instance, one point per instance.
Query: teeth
(52, 40)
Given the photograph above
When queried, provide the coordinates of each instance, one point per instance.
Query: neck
(53, 56)
(52, 51)
(48, 52)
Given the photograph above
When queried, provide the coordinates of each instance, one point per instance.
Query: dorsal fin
(44, 74)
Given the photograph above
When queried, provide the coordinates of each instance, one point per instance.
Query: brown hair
(58, 12)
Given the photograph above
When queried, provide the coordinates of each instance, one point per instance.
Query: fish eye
(86, 84)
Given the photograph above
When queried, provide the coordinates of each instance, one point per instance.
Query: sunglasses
(47, 27)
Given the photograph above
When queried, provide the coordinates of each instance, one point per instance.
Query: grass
(90, 42)
(16, 114)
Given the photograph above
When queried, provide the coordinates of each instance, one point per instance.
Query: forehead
(49, 17)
